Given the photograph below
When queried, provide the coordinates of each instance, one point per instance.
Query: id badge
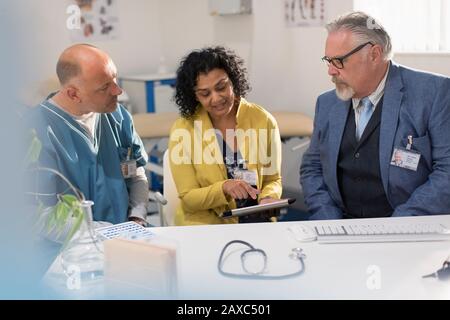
(404, 158)
(128, 168)
(248, 176)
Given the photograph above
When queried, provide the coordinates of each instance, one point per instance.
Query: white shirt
(374, 97)
(86, 121)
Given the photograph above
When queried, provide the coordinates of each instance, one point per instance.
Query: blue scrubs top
(93, 166)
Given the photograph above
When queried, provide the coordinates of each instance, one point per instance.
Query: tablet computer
(258, 208)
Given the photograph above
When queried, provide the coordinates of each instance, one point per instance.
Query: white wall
(184, 25)
(432, 62)
(137, 49)
(287, 72)
(284, 64)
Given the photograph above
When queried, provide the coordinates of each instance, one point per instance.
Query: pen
(410, 142)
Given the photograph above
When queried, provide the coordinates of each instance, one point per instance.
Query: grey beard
(345, 93)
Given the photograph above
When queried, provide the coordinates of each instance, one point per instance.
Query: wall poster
(98, 20)
(304, 13)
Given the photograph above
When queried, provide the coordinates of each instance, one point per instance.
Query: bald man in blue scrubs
(90, 138)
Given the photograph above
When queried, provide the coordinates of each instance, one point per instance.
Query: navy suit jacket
(415, 103)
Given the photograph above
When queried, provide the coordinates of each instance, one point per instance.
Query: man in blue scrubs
(89, 138)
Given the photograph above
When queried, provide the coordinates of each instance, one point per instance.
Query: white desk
(333, 271)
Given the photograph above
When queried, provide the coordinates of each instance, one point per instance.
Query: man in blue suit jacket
(381, 140)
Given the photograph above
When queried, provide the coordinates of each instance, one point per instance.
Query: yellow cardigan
(196, 163)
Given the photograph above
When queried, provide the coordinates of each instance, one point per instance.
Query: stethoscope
(297, 253)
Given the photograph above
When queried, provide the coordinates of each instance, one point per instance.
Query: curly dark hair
(203, 61)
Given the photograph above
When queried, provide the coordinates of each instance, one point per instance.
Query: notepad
(143, 269)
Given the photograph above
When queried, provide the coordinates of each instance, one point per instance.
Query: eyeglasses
(257, 267)
(338, 62)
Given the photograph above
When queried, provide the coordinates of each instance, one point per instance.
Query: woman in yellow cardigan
(224, 151)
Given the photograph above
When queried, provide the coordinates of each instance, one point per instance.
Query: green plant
(67, 211)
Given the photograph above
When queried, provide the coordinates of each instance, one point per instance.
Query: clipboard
(258, 208)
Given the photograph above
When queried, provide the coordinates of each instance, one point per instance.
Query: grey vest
(358, 170)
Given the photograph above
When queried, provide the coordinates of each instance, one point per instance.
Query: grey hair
(66, 70)
(365, 28)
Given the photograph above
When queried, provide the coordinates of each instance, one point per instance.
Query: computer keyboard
(381, 232)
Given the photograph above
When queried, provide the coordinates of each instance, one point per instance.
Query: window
(414, 25)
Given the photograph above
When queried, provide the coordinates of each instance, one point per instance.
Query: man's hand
(138, 220)
(239, 189)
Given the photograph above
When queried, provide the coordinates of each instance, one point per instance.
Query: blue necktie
(366, 108)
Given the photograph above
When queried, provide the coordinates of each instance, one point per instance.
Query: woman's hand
(268, 214)
(239, 189)
(268, 200)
